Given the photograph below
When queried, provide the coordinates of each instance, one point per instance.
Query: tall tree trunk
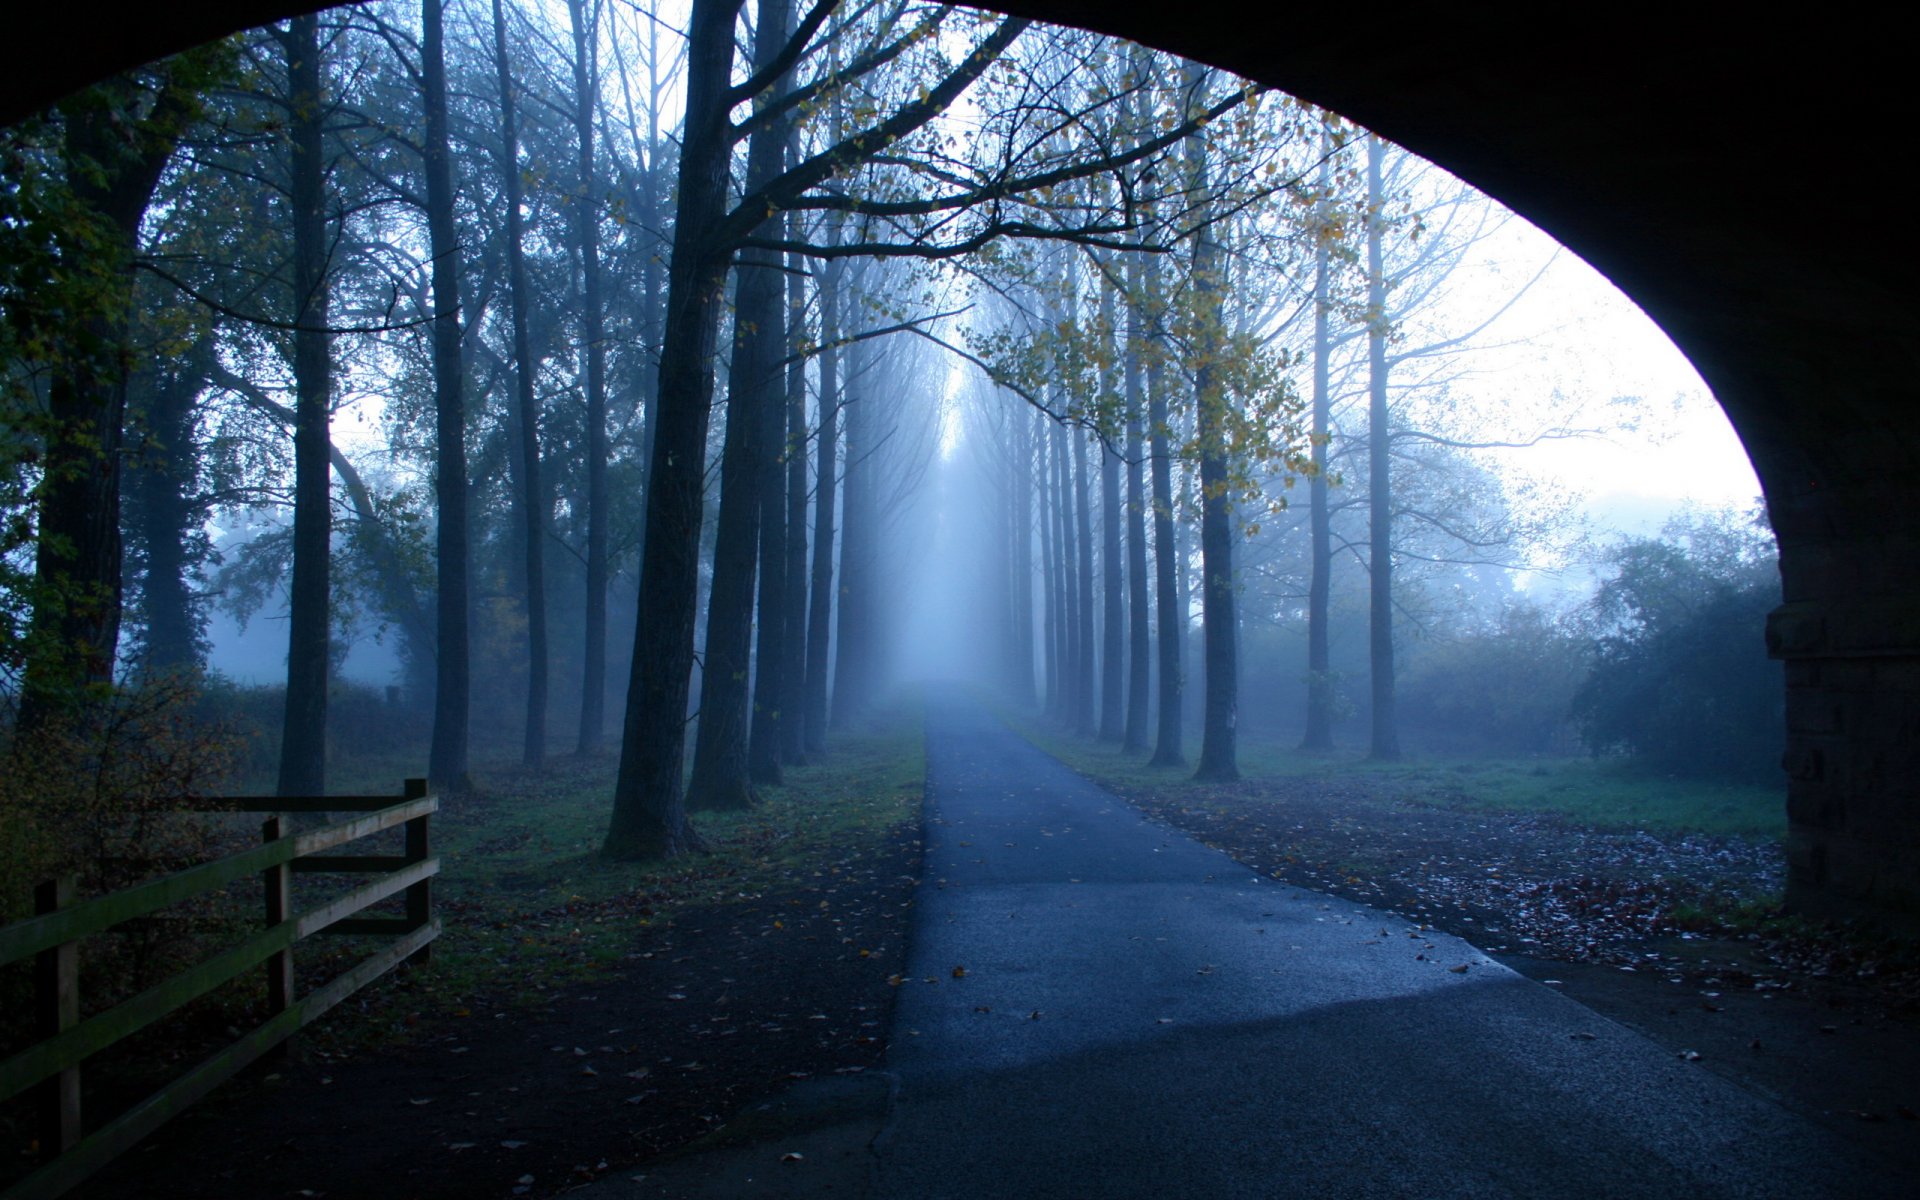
(1319, 734)
(649, 809)
(1022, 550)
(769, 687)
(747, 537)
(1170, 605)
(1386, 731)
(303, 742)
(820, 611)
(447, 757)
(1050, 625)
(653, 300)
(112, 158)
(1139, 634)
(593, 675)
(793, 669)
(857, 549)
(1082, 495)
(1065, 559)
(1113, 718)
(533, 505)
(168, 468)
(1219, 727)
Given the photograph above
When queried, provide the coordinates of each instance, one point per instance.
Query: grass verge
(1597, 794)
(530, 907)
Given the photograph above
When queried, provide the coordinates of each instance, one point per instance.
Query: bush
(1680, 677)
(106, 794)
(1504, 691)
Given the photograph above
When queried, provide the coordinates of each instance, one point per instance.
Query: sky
(1585, 348)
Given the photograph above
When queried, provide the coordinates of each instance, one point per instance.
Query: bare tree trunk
(593, 677)
(1386, 733)
(1219, 727)
(533, 504)
(1319, 734)
(653, 302)
(1050, 626)
(770, 407)
(1021, 472)
(649, 809)
(1064, 561)
(447, 756)
(1113, 718)
(1170, 605)
(727, 760)
(857, 537)
(793, 669)
(1139, 634)
(1082, 495)
(820, 612)
(303, 742)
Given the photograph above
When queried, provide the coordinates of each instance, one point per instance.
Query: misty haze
(887, 600)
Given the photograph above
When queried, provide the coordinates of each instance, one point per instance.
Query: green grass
(1605, 795)
(530, 906)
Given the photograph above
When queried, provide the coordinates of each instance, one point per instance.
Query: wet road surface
(1099, 1006)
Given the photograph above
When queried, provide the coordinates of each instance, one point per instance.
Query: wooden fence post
(278, 886)
(419, 895)
(56, 997)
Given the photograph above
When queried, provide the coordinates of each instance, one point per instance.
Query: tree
(1320, 684)
(649, 811)
(750, 492)
(1219, 759)
(447, 760)
(115, 140)
(303, 741)
(586, 86)
(532, 496)
(649, 807)
(1385, 742)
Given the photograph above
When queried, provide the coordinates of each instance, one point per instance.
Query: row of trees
(515, 240)
(1183, 367)
(545, 247)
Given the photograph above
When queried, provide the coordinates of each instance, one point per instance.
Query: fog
(961, 404)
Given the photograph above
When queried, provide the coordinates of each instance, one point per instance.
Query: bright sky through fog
(1575, 334)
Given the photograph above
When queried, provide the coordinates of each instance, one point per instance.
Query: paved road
(1141, 1016)
(1098, 1006)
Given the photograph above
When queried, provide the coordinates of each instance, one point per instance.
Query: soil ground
(719, 1005)
(714, 1006)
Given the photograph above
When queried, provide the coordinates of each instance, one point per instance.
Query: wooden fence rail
(51, 1066)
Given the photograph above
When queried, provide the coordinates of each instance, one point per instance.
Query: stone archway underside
(1729, 173)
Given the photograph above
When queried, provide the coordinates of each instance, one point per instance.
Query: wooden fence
(51, 939)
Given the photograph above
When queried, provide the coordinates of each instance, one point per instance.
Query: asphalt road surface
(1098, 1006)
(1141, 1016)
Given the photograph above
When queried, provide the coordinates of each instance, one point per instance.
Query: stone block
(1802, 762)
(1814, 711)
(1796, 629)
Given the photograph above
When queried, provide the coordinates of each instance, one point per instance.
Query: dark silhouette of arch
(1728, 172)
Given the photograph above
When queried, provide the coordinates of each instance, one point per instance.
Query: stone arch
(1727, 173)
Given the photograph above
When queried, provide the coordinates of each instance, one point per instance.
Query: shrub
(106, 794)
(1680, 677)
